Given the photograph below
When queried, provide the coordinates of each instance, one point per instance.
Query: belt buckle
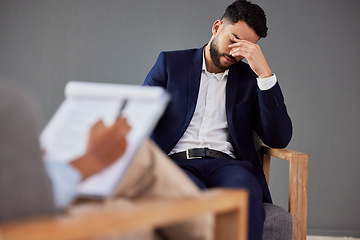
(188, 154)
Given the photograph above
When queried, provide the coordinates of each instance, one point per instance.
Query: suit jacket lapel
(195, 68)
(232, 86)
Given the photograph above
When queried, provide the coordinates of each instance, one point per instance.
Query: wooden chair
(229, 206)
(298, 185)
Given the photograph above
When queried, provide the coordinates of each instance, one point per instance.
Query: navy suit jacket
(248, 108)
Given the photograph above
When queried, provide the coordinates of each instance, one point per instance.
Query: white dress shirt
(208, 126)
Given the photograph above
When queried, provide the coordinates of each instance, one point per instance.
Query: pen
(122, 107)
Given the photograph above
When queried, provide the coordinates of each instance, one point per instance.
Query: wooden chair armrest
(229, 206)
(281, 153)
(298, 184)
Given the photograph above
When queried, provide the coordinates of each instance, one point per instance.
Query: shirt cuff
(266, 83)
(65, 180)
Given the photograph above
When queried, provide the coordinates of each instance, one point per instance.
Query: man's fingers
(97, 128)
(239, 52)
(121, 125)
(241, 43)
(99, 131)
(98, 124)
(253, 54)
(244, 46)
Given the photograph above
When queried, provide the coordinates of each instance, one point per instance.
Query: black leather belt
(196, 153)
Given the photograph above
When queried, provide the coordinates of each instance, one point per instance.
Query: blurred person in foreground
(32, 187)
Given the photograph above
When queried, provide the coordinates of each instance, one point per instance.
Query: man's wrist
(266, 75)
(87, 165)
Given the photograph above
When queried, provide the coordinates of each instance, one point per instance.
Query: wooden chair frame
(298, 185)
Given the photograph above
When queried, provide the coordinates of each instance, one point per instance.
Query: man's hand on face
(254, 56)
(105, 146)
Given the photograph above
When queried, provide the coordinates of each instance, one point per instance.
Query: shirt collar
(218, 76)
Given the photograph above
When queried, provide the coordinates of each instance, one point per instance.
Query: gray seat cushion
(278, 223)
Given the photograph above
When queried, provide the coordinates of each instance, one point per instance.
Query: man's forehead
(242, 31)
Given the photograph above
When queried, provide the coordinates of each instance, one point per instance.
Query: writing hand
(254, 56)
(105, 146)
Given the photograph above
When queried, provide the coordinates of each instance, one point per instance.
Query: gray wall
(313, 47)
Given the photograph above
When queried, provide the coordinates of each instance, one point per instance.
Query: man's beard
(215, 55)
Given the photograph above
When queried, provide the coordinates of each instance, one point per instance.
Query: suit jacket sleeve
(273, 124)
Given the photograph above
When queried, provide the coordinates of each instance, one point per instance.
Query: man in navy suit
(217, 103)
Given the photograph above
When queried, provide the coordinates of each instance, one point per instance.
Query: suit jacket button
(276, 102)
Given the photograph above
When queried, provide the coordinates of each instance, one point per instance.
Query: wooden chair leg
(298, 185)
(298, 191)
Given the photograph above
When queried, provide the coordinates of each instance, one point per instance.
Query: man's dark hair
(248, 12)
